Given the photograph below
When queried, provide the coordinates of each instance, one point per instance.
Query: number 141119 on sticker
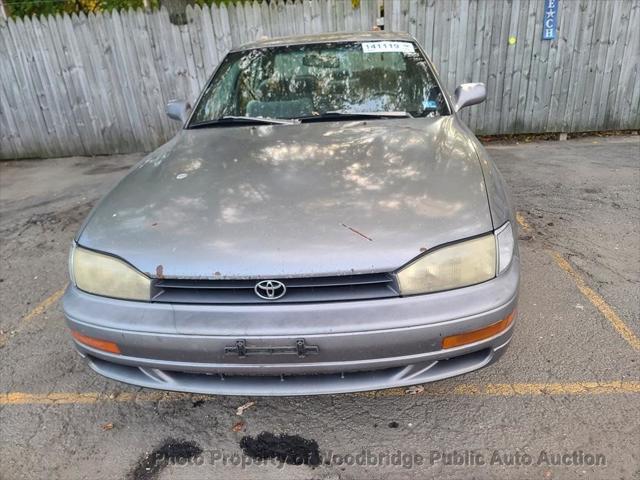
(402, 47)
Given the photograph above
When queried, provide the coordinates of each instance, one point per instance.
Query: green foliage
(219, 2)
(125, 4)
(27, 8)
(22, 8)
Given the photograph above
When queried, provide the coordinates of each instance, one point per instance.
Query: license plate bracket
(300, 348)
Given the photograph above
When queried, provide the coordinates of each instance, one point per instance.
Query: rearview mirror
(468, 94)
(178, 110)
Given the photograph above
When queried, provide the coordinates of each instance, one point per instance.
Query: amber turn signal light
(480, 334)
(96, 343)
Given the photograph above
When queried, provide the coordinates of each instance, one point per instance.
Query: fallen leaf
(414, 389)
(107, 426)
(240, 410)
(239, 427)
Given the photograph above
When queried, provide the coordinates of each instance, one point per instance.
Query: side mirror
(178, 110)
(468, 94)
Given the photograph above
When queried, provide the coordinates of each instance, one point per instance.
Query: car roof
(325, 38)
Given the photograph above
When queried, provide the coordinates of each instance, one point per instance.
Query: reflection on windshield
(314, 80)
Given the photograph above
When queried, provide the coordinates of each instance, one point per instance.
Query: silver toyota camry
(324, 222)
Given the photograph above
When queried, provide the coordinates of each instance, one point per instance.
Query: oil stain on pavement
(171, 450)
(290, 449)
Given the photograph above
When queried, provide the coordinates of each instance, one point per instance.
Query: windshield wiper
(237, 119)
(345, 115)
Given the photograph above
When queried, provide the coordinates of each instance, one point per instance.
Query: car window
(221, 93)
(306, 80)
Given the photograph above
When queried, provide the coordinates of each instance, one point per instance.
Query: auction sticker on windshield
(402, 47)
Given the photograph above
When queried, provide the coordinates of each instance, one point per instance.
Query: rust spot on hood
(159, 271)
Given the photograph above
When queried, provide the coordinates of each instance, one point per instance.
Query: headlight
(504, 238)
(458, 265)
(108, 276)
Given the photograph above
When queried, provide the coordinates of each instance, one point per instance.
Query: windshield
(316, 80)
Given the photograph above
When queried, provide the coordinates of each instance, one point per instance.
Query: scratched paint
(357, 232)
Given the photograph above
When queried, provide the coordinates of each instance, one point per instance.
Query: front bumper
(361, 345)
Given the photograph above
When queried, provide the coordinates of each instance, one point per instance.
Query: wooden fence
(98, 84)
(586, 80)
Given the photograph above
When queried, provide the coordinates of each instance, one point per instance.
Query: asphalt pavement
(563, 402)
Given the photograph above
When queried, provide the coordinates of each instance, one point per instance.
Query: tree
(176, 9)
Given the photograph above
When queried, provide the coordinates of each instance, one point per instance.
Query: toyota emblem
(270, 289)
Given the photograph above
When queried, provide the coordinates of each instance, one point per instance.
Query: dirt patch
(290, 449)
(62, 219)
(171, 450)
(47, 222)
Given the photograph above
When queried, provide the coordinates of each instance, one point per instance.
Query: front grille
(299, 290)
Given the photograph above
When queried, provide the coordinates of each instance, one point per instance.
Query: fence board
(529, 98)
(585, 37)
(26, 102)
(498, 68)
(591, 67)
(630, 92)
(541, 94)
(554, 78)
(590, 116)
(98, 84)
(510, 65)
(487, 29)
(569, 71)
(611, 51)
(12, 143)
(45, 94)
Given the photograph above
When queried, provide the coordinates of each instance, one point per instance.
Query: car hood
(294, 200)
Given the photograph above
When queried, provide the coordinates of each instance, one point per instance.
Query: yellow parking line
(43, 305)
(62, 398)
(595, 298)
(599, 302)
(35, 312)
(517, 389)
(488, 390)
